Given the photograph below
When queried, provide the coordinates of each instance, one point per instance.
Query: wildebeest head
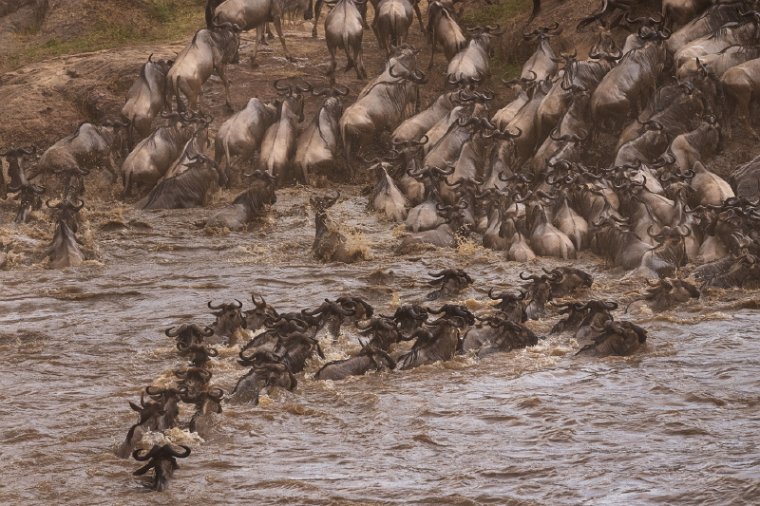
(332, 103)
(403, 64)
(575, 311)
(227, 36)
(193, 380)
(297, 348)
(378, 356)
(665, 293)
(537, 293)
(168, 398)
(451, 281)
(598, 313)
(189, 334)
(163, 460)
(409, 317)
(565, 280)
(361, 308)
(15, 171)
(455, 311)
(291, 90)
(618, 338)
(150, 413)
(383, 332)
(67, 211)
(332, 314)
(261, 312)
(198, 354)
(229, 318)
(510, 305)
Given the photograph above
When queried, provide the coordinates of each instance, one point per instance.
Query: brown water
(677, 423)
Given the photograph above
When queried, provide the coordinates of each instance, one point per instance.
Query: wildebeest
(624, 90)
(391, 24)
(666, 293)
(565, 281)
(228, 319)
(618, 338)
(383, 332)
(370, 357)
(64, 250)
(414, 128)
(344, 30)
(386, 198)
(208, 53)
(240, 136)
(247, 206)
(154, 155)
(382, 104)
(543, 62)
(444, 30)
(437, 341)
(163, 461)
(510, 305)
(248, 14)
(16, 174)
(497, 334)
(29, 197)
(449, 282)
(150, 413)
(90, 147)
(186, 190)
(146, 99)
(330, 245)
(279, 144)
(187, 335)
(471, 64)
(318, 143)
(268, 371)
(742, 85)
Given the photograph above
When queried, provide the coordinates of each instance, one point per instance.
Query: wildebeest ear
(135, 407)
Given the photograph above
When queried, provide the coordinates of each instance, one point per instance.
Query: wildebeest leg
(259, 31)
(278, 28)
(309, 12)
(361, 73)
(419, 15)
(110, 167)
(432, 51)
(125, 179)
(220, 71)
(317, 8)
(304, 175)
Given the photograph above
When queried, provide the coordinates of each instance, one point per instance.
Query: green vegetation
(145, 21)
(500, 12)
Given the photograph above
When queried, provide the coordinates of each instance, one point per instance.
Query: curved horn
(175, 453)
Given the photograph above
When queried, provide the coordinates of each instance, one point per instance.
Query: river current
(676, 423)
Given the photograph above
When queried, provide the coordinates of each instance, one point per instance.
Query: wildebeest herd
(607, 154)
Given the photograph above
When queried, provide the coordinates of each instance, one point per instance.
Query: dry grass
(111, 25)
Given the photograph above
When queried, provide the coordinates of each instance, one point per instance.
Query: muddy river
(676, 423)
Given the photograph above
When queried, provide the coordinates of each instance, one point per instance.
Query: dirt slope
(42, 102)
